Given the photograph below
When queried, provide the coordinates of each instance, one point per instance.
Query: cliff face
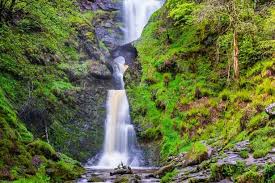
(188, 96)
(55, 71)
(82, 134)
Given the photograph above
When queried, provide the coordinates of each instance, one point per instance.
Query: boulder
(121, 170)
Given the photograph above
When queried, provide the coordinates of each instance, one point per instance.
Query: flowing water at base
(142, 172)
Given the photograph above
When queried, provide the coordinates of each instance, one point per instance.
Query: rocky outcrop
(121, 170)
(219, 166)
(270, 110)
(107, 5)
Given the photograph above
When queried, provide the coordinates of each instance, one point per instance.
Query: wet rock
(107, 5)
(270, 110)
(127, 179)
(128, 51)
(95, 179)
(241, 146)
(163, 170)
(229, 160)
(121, 170)
(99, 70)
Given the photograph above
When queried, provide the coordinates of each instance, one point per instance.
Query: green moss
(32, 53)
(42, 148)
(262, 141)
(198, 149)
(219, 172)
(244, 154)
(168, 177)
(40, 176)
(269, 172)
(251, 176)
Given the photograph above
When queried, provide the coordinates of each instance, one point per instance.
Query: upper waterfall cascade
(136, 16)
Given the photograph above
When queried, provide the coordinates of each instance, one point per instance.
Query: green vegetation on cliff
(190, 89)
(38, 39)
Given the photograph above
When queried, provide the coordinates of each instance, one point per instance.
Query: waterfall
(136, 16)
(120, 143)
(120, 138)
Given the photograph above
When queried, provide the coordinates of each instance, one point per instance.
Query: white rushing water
(136, 16)
(120, 138)
(120, 143)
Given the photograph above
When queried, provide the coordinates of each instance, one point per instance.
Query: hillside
(189, 95)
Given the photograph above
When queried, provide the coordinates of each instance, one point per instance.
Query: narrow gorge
(130, 91)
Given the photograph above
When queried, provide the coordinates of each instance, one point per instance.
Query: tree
(232, 9)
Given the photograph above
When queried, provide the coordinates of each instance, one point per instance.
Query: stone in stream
(121, 170)
(95, 179)
(127, 178)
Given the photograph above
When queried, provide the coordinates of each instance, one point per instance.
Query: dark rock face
(128, 51)
(108, 30)
(86, 128)
(107, 5)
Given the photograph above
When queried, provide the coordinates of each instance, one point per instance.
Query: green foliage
(244, 154)
(169, 176)
(35, 46)
(42, 148)
(40, 176)
(251, 176)
(269, 172)
(262, 141)
(219, 172)
(186, 90)
(182, 13)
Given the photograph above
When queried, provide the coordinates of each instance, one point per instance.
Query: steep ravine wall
(84, 131)
(206, 124)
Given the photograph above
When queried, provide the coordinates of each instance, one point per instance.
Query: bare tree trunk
(228, 71)
(236, 56)
(46, 133)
